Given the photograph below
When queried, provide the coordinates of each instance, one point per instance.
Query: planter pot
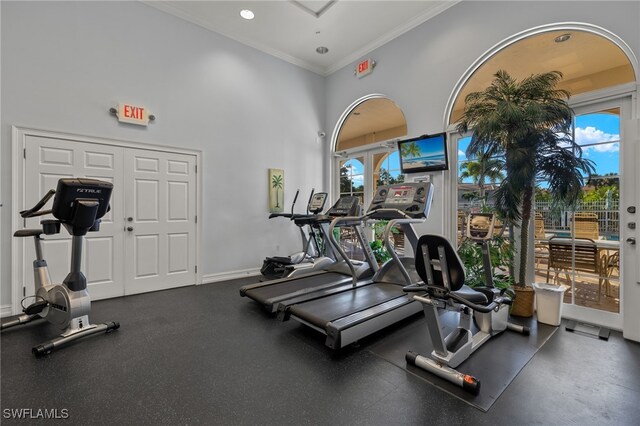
(523, 304)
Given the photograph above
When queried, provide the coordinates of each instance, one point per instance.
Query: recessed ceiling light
(562, 38)
(246, 14)
(322, 50)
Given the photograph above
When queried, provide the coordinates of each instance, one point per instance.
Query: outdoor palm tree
(527, 122)
(481, 170)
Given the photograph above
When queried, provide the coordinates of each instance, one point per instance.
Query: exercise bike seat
(28, 233)
(471, 295)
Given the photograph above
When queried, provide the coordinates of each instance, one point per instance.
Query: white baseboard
(6, 311)
(232, 275)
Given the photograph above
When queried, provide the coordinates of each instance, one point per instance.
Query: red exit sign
(365, 67)
(134, 114)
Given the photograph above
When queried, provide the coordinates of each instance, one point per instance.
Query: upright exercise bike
(441, 269)
(78, 205)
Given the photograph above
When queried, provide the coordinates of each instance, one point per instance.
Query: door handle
(129, 228)
(631, 241)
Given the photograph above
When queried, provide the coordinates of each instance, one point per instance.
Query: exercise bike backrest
(79, 204)
(435, 254)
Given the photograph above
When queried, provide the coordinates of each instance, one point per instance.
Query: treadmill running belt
(295, 286)
(321, 311)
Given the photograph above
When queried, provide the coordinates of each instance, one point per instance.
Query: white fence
(559, 220)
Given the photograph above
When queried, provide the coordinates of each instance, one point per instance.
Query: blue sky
(590, 129)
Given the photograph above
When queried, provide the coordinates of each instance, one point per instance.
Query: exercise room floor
(204, 355)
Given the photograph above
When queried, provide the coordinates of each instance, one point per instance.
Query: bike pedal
(36, 307)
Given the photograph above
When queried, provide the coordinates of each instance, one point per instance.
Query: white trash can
(549, 303)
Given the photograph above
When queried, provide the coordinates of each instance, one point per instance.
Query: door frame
(19, 135)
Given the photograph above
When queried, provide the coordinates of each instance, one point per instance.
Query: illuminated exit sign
(365, 67)
(133, 114)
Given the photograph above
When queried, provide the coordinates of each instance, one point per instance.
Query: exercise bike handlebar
(450, 295)
(35, 210)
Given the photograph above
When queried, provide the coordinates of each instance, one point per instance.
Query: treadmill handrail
(405, 219)
(389, 246)
(339, 249)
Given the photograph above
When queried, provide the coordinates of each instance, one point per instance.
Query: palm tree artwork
(276, 182)
(410, 150)
(528, 123)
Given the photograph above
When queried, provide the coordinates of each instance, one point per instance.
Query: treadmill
(343, 272)
(371, 305)
(312, 255)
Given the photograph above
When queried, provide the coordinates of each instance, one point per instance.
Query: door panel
(48, 160)
(161, 205)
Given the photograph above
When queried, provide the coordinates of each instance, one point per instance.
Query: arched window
(365, 154)
(364, 145)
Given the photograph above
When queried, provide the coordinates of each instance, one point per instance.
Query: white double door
(146, 242)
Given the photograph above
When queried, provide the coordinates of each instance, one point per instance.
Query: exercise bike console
(79, 204)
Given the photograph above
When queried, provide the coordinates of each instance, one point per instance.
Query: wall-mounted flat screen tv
(424, 154)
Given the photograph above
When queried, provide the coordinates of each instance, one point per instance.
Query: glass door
(351, 170)
(579, 247)
(360, 174)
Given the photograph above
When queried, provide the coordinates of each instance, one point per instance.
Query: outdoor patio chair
(585, 225)
(541, 248)
(581, 255)
(612, 262)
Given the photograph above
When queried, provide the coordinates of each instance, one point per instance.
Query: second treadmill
(273, 293)
(368, 306)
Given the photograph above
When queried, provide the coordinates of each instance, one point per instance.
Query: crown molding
(170, 9)
(323, 71)
(394, 33)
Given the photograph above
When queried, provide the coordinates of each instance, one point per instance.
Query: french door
(146, 242)
(359, 174)
(598, 223)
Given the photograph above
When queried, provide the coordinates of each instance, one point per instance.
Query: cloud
(589, 135)
(461, 153)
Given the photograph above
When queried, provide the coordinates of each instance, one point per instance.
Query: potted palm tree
(528, 123)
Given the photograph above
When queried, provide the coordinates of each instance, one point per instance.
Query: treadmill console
(316, 204)
(345, 206)
(411, 198)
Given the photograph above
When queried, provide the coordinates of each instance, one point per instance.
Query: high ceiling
(587, 61)
(292, 30)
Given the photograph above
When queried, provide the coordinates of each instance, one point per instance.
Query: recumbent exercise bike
(442, 271)
(78, 205)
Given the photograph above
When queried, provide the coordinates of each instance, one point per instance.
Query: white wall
(65, 64)
(419, 69)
